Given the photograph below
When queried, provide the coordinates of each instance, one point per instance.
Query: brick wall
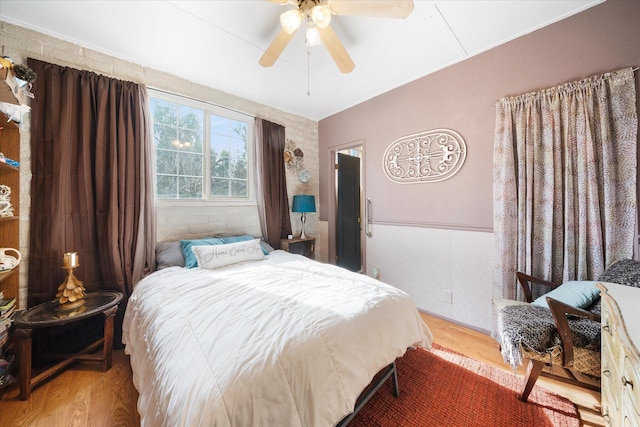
(173, 221)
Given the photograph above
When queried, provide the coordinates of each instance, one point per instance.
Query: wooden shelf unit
(10, 226)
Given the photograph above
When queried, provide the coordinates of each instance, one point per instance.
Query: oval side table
(48, 314)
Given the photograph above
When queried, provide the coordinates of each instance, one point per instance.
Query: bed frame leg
(390, 371)
(394, 375)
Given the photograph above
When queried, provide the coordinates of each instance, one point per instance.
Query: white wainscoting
(428, 263)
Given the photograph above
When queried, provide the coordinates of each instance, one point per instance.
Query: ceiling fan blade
(399, 9)
(271, 55)
(336, 49)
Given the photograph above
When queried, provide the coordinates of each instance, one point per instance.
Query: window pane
(164, 112)
(220, 166)
(190, 164)
(190, 140)
(229, 127)
(166, 162)
(167, 186)
(228, 157)
(190, 188)
(238, 168)
(190, 118)
(235, 145)
(164, 135)
(220, 187)
(239, 188)
(178, 134)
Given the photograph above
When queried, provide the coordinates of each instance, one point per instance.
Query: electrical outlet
(376, 273)
(447, 296)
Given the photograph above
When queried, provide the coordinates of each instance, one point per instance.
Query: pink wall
(462, 97)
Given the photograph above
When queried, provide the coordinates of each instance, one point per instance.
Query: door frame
(333, 197)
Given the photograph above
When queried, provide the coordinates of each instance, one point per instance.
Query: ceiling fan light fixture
(313, 36)
(317, 14)
(290, 20)
(321, 15)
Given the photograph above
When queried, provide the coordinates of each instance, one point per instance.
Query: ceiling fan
(317, 14)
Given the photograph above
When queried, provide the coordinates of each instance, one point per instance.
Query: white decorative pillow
(216, 256)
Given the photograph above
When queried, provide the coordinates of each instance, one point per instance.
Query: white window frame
(212, 109)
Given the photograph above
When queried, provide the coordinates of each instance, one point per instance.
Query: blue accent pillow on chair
(580, 294)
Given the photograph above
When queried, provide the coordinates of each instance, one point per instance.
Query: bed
(263, 340)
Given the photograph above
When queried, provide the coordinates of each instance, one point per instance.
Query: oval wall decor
(430, 156)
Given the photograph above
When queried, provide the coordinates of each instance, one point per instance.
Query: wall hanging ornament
(293, 157)
(430, 156)
(6, 209)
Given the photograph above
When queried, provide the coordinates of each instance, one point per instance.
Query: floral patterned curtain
(565, 180)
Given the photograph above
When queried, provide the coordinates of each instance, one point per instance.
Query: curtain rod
(200, 100)
(633, 70)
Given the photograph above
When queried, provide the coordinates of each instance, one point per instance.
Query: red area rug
(444, 388)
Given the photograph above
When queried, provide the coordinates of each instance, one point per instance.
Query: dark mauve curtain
(272, 182)
(92, 186)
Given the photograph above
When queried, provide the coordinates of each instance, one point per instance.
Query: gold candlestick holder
(71, 292)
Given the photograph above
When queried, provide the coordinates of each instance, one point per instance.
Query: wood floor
(82, 396)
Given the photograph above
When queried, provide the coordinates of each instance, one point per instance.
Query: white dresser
(620, 356)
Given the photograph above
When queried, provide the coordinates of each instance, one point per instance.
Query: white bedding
(281, 342)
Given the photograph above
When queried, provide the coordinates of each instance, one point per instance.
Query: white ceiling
(218, 43)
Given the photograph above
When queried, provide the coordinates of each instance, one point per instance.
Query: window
(203, 152)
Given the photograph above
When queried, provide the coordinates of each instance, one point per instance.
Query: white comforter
(282, 342)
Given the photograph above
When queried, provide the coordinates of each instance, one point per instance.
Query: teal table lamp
(303, 203)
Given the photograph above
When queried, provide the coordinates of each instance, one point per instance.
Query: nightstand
(306, 246)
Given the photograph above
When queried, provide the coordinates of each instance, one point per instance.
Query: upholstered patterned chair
(559, 330)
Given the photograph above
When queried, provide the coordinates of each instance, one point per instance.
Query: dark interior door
(348, 230)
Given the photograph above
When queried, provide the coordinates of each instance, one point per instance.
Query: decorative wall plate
(429, 156)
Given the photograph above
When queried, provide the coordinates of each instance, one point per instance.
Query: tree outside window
(228, 158)
(194, 161)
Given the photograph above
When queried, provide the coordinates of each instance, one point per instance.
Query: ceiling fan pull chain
(308, 74)
(308, 60)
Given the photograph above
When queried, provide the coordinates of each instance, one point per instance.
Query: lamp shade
(290, 20)
(304, 203)
(321, 15)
